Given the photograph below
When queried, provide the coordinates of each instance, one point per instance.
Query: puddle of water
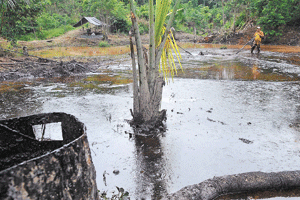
(212, 109)
(224, 64)
(236, 71)
(16, 99)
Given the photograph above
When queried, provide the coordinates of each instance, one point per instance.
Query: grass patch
(103, 44)
(46, 34)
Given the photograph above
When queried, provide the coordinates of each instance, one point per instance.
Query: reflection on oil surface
(151, 167)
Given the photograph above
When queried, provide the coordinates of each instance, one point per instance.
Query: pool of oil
(220, 100)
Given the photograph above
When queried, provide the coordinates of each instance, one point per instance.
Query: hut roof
(92, 20)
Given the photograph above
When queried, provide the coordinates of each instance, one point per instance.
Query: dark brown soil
(27, 67)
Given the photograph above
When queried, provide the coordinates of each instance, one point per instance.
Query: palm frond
(167, 64)
(176, 11)
(161, 11)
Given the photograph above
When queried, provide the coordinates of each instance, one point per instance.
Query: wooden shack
(97, 31)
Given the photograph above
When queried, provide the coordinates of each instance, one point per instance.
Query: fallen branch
(250, 41)
(185, 50)
(11, 63)
(245, 182)
(16, 60)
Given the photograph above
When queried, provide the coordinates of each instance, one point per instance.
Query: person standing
(258, 35)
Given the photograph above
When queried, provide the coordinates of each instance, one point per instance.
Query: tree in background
(112, 12)
(50, 18)
(152, 70)
(272, 14)
(18, 17)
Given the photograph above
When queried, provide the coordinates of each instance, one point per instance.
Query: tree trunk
(195, 33)
(245, 182)
(151, 47)
(2, 17)
(148, 90)
(223, 12)
(143, 92)
(136, 104)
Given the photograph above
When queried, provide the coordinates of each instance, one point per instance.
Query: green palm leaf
(161, 11)
(167, 64)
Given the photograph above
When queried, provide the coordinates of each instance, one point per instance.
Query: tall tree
(148, 82)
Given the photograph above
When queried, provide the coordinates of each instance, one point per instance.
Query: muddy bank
(18, 68)
(289, 36)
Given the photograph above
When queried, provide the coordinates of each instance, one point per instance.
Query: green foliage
(19, 19)
(161, 11)
(55, 32)
(241, 20)
(111, 12)
(191, 16)
(49, 21)
(276, 13)
(103, 44)
(143, 27)
(143, 11)
(270, 14)
(120, 25)
(42, 19)
(45, 34)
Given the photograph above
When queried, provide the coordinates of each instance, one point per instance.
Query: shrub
(103, 44)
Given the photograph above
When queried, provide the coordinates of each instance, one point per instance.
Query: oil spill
(236, 71)
(219, 98)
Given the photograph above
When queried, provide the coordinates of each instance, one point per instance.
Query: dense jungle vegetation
(43, 19)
